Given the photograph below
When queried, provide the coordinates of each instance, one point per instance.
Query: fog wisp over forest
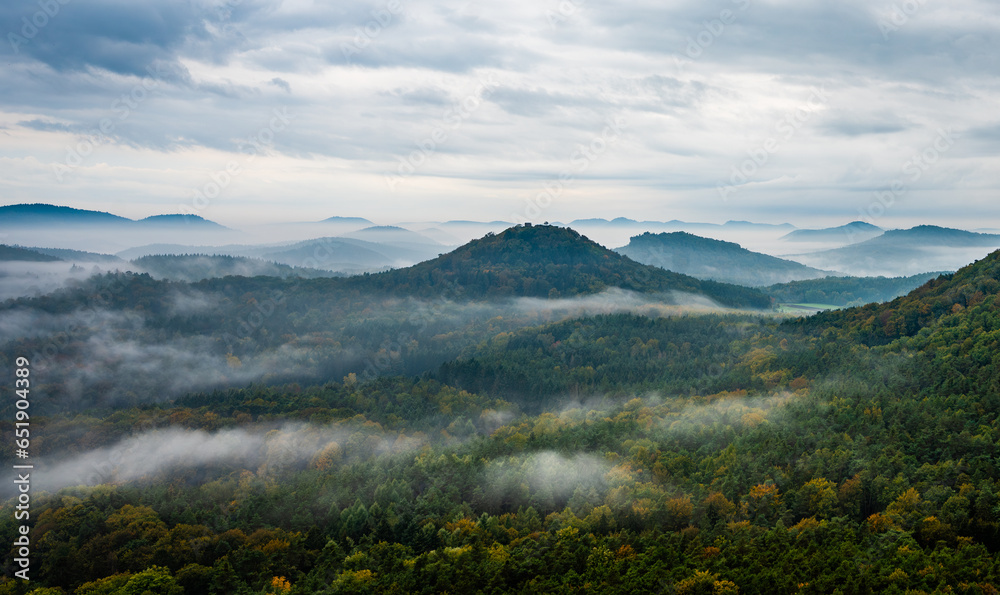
(529, 412)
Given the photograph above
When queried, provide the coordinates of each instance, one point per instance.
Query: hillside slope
(195, 267)
(855, 231)
(717, 260)
(938, 303)
(847, 291)
(16, 253)
(545, 261)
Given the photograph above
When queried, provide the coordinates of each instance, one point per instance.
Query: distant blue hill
(351, 220)
(78, 255)
(46, 215)
(901, 252)
(935, 235)
(180, 221)
(676, 224)
(17, 253)
(705, 258)
(855, 231)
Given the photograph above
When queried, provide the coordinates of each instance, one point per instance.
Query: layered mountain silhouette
(545, 261)
(69, 228)
(36, 215)
(706, 258)
(341, 254)
(45, 214)
(195, 267)
(348, 221)
(16, 253)
(905, 252)
(853, 232)
(80, 256)
(677, 224)
(180, 221)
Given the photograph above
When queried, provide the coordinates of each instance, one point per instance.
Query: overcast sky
(810, 112)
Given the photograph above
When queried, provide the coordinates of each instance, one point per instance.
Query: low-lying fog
(121, 358)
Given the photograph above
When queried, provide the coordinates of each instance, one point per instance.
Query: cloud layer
(728, 109)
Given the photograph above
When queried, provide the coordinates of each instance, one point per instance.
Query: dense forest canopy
(847, 291)
(607, 442)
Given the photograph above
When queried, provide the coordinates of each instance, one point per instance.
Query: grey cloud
(373, 106)
(470, 17)
(457, 53)
(281, 84)
(985, 138)
(120, 37)
(859, 124)
(537, 102)
(802, 37)
(423, 95)
(47, 126)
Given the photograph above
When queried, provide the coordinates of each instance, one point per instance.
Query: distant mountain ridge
(853, 232)
(17, 253)
(196, 267)
(351, 220)
(343, 254)
(717, 260)
(47, 214)
(546, 261)
(179, 220)
(392, 235)
(903, 252)
(40, 213)
(676, 224)
(939, 236)
(79, 255)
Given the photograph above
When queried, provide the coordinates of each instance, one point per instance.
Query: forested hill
(706, 258)
(933, 304)
(544, 261)
(848, 291)
(18, 253)
(195, 267)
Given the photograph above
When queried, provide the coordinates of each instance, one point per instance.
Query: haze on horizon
(254, 111)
